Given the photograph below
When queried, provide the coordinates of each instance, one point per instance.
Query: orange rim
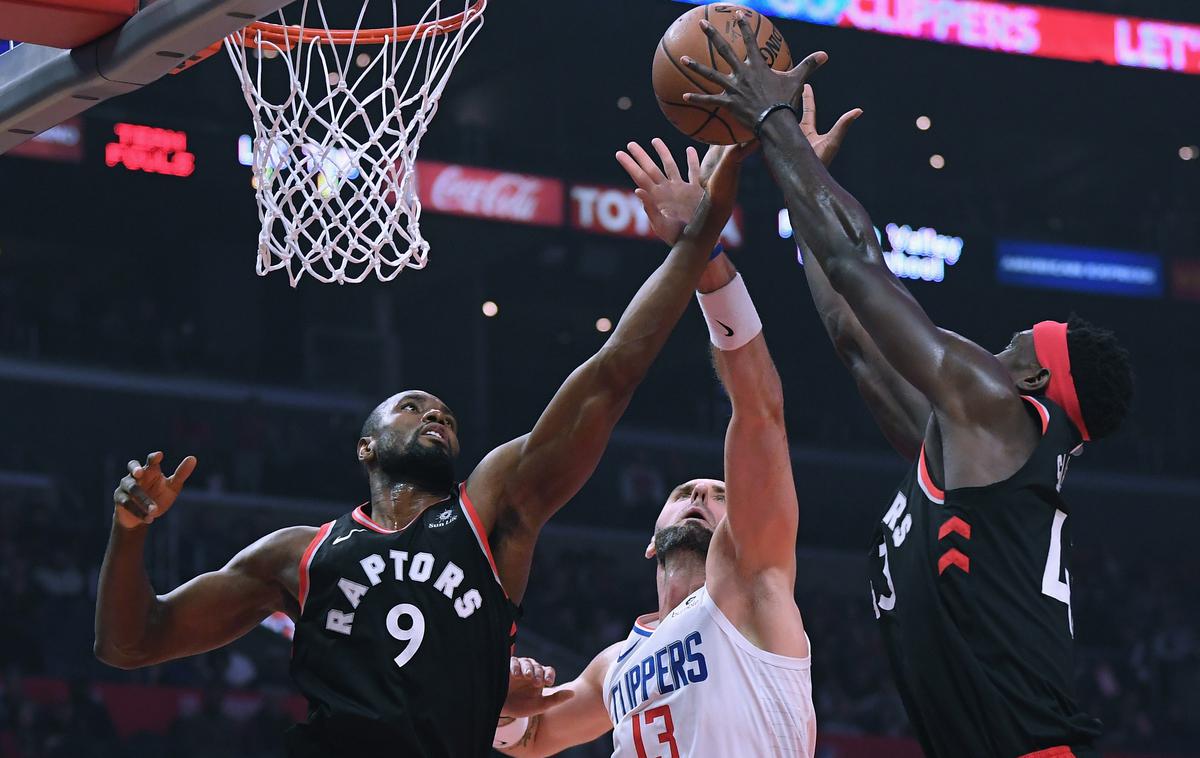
(286, 37)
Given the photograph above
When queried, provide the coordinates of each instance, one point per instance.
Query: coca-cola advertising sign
(609, 210)
(484, 193)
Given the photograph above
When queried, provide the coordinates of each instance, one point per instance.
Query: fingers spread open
(711, 74)
(750, 41)
(693, 164)
(722, 46)
(808, 119)
(705, 101)
(182, 472)
(806, 67)
(646, 163)
(639, 177)
(670, 168)
(648, 203)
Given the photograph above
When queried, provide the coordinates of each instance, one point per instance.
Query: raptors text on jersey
(404, 637)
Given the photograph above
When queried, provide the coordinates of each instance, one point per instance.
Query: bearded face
(691, 536)
(412, 437)
(407, 458)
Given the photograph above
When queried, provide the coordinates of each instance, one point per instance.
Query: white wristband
(511, 733)
(730, 315)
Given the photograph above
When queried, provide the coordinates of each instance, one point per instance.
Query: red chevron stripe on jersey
(955, 525)
(953, 557)
(1051, 752)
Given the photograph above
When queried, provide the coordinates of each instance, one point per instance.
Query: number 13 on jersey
(665, 737)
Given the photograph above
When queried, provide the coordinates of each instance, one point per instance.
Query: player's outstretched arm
(961, 379)
(898, 408)
(759, 532)
(135, 627)
(579, 718)
(518, 486)
(751, 566)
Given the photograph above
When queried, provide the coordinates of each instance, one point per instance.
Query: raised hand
(145, 494)
(752, 87)
(826, 145)
(669, 200)
(526, 681)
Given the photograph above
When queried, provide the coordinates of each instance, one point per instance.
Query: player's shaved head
(411, 437)
(371, 427)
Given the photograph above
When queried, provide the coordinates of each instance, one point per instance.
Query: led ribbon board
(1079, 269)
(922, 253)
(1035, 30)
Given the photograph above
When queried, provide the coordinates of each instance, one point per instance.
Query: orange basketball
(672, 79)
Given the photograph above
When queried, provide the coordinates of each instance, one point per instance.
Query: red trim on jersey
(1042, 411)
(953, 557)
(932, 491)
(306, 560)
(480, 532)
(955, 524)
(359, 515)
(1051, 752)
(1050, 345)
(643, 622)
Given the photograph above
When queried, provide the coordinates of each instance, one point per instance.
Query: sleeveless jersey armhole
(306, 559)
(748, 647)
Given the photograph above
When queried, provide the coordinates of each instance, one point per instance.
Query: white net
(336, 138)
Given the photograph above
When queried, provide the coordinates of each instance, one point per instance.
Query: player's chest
(360, 574)
(670, 665)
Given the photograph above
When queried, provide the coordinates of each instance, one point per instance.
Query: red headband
(1050, 344)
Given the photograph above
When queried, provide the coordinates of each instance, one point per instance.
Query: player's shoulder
(273, 553)
(599, 666)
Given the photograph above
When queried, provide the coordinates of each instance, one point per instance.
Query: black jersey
(404, 637)
(972, 589)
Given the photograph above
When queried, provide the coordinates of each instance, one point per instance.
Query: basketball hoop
(335, 152)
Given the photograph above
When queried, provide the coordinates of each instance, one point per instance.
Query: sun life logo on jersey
(445, 518)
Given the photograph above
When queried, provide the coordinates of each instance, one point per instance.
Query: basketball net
(335, 146)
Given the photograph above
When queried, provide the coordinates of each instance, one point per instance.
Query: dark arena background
(1009, 188)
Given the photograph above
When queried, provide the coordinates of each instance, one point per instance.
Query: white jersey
(694, 687)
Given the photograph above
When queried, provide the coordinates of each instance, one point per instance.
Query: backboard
(42, 86)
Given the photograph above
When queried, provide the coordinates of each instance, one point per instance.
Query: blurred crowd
(1139, 638)
(131, 329)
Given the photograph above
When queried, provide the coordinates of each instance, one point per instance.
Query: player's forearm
(825, 216)
(838, 231)
(751, 381)
(661, 301)
(125, 600)
(898, 409)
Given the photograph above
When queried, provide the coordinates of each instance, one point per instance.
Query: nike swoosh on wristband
(728, 331)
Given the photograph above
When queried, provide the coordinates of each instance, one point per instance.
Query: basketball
(672, 80)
